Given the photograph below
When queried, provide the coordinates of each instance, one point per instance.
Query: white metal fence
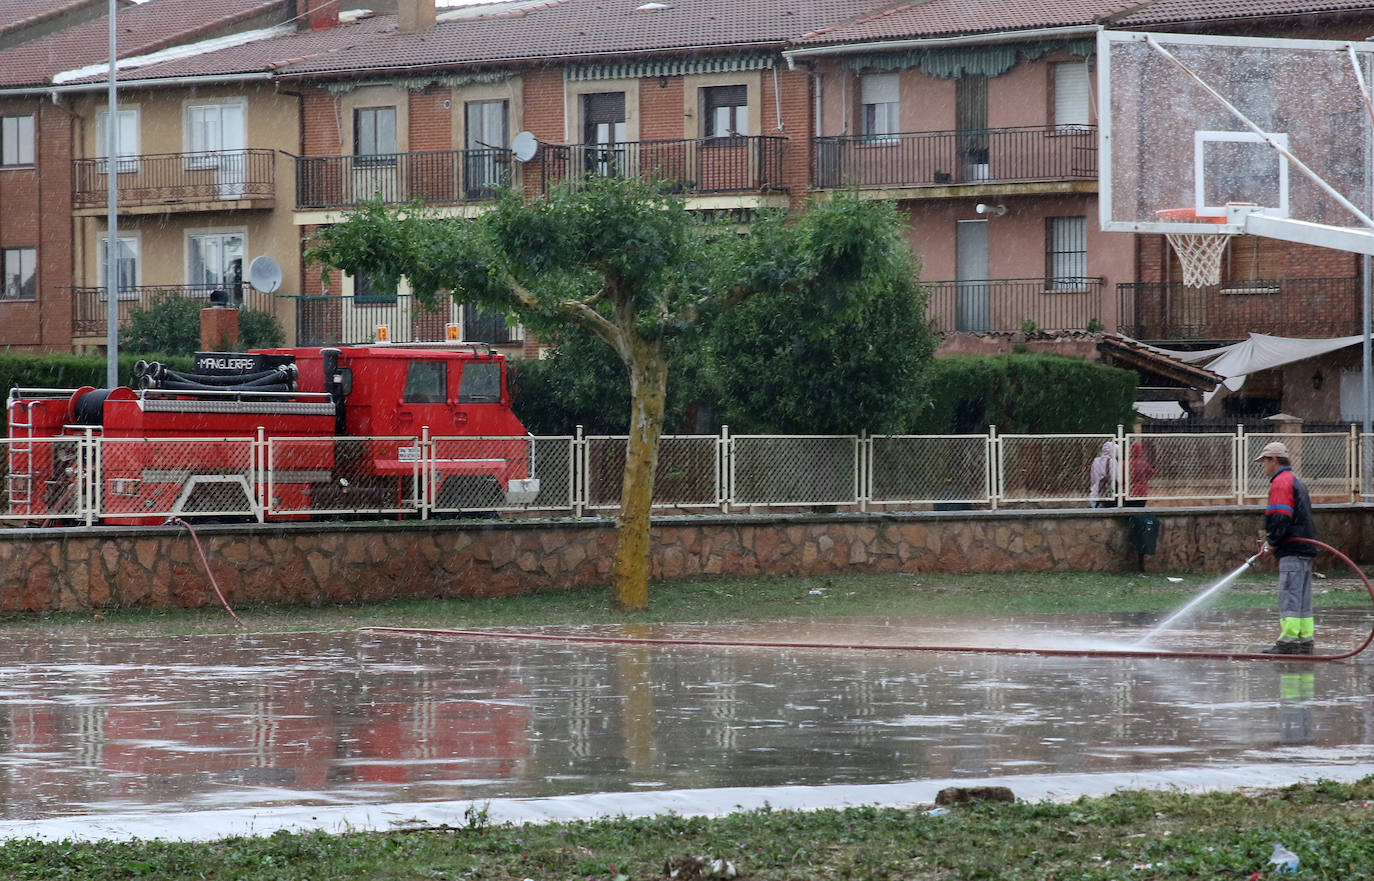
(90, 478)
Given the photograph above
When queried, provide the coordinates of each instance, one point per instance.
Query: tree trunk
(648, 390)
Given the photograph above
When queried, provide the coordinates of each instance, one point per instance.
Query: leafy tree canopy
(618, 260)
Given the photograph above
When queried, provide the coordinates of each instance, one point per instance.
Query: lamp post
(112, 219)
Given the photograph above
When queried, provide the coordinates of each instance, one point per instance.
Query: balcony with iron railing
(736, 164)
(952, 158)
(344, 320)
(437, 177)
(210, 181)
(1305, 307)
(1008, 305)
(89, 304)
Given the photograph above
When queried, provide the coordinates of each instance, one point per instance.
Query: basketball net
(1199, 254)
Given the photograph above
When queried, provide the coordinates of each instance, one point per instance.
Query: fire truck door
(425, 400)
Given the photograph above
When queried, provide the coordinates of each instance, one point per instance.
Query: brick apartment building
(977, 117)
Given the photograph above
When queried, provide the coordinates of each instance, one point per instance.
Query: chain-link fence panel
(687, 475)
(1181, 466)
(912, 469)
(46, 479)
(794, 470)
(1325, 462)
(1049, 467)
(343, 475)
(479, 473)
(152, 479)
(553, 465)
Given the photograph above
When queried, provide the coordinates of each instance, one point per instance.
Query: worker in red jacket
(1288, 516)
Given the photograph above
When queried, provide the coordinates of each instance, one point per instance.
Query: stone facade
(312, 564)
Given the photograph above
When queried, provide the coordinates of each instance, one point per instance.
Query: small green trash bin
(1144, 536)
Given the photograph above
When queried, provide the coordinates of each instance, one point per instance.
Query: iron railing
(172, 179)
(1315, 307)
(737, 164)
(345, 320)
(90, 318)
(998, 305)
(923, 159)
(86, 477)
(436, 177)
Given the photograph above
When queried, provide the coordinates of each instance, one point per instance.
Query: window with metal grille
(19, 270)
(16, 140)
(482, 326)
(1066, 253)
(724, 111)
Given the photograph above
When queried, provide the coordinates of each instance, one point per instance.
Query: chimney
(316, 15)
(414, 15)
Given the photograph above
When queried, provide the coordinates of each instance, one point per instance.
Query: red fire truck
(282, 433)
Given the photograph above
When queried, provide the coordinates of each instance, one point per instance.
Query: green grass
(1137, 835)
(734, 599)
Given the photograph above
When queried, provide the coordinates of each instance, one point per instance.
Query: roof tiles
(153, 25)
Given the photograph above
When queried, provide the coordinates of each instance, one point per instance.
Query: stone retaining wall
(108, 567)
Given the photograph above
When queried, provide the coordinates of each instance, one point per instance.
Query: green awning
(668, 67)
(952, 62)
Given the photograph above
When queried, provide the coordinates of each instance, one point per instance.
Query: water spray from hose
(1200, 599)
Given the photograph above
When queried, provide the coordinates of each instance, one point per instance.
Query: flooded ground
(96, 731)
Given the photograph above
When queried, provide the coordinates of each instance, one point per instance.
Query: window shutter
(1072, 94)
(879, 89)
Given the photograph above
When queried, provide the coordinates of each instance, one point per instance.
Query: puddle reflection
(364, 718)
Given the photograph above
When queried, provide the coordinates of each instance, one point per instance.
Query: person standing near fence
(1102, 477)
(1288, 516)
(1139, 471)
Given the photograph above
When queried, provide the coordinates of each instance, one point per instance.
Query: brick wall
(431, 121)
(109, 567)
(35, 212)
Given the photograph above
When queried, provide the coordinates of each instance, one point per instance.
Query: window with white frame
(19, 271)
(1072, 95)
(214, 261)
(212, 131)
(1066, 253)
(486, 134)
(724, 111)
(126, 277)
(374, 135)
(878, 101)
(126, 139)
(16, 140)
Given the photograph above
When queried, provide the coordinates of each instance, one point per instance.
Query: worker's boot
(1289, 645)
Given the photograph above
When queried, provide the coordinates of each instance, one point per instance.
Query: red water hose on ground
(208, 574)
(849, 646)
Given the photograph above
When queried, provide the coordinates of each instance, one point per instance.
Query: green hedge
(70, 371)
(1027, 394)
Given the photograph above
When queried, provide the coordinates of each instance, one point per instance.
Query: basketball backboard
(1168, 143)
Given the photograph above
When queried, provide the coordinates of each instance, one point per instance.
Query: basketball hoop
(1198, 253)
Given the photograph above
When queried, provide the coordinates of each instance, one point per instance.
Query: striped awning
(667, 67)
(952, 62)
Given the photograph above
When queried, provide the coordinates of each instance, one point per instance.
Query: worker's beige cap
(1274, 449)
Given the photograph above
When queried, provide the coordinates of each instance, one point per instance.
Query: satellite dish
(264, 274)
(523, 146)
